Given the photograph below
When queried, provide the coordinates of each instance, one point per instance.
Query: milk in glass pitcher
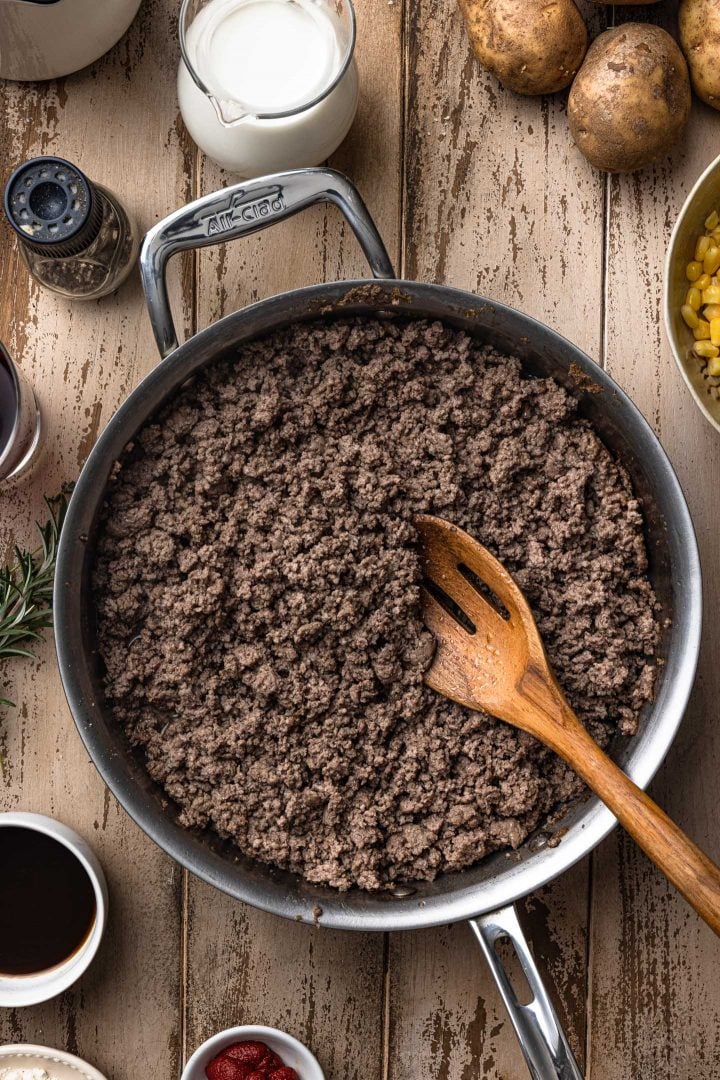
(267, 85)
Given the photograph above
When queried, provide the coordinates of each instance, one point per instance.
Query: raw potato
(631, 98)
(700, 40)
(532, 46)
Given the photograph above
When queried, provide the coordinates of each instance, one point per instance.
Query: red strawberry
(222, 1068)
(257, 1075)
(271, 1061)
(284, 1073)
(246, 1053)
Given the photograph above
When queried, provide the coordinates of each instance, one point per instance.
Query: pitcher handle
(240, 210)
(542, 1040)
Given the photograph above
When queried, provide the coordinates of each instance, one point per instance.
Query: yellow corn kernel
(702, 247)
(690, 316)
(706, 349)
(711, 311)
(712, 259)
(713, 367)
(716, 235)
(711, 295)
(703, 282)
(715, 331)
(701, 332)
(693, 298)
(712, 221)
(693, 271)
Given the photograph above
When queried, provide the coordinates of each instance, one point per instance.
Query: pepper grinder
(75, 235)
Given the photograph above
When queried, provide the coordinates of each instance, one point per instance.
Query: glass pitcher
(267, 85)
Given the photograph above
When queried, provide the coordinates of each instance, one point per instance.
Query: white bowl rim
(46, 1054)
(666, 303)
(218, 1042)
(34, 989)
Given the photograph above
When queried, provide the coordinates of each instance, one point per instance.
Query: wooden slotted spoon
(496, 663)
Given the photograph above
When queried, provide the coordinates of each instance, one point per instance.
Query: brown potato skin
(631, 98)
(699, 22)
(531, 46)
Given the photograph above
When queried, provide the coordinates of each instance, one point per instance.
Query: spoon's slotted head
(489, 650)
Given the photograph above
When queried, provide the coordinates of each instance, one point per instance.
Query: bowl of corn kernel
(692, 292)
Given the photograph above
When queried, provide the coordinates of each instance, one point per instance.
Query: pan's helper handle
(243, 209)
(543, 1042)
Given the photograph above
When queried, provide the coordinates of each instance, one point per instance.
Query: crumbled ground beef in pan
(257, 586)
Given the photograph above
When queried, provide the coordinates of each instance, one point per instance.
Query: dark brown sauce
(47, 902)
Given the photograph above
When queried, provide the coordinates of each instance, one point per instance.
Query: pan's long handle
(243, 209)
(543, 1042)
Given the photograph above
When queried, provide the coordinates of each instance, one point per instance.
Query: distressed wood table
(469, 186)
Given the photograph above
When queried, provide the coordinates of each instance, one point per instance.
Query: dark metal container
(20, 422)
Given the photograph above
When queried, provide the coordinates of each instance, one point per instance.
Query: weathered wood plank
(654, 993)
(243, 966)
(83, 359)
(499, 203)
(498, 200)
(323, 986)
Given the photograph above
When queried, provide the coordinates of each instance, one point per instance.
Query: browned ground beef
(257, 589)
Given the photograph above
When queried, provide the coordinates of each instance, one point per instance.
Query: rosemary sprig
(26, 588)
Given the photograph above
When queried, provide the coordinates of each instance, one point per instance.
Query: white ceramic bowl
(56, 1063)
(293, 1053)
(19, 990)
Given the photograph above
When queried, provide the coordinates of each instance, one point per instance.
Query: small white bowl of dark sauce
(53, 910)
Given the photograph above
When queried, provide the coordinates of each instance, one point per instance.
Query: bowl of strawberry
(252, 1053)
(249, 1060)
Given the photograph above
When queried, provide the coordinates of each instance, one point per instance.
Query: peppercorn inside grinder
(75, 236)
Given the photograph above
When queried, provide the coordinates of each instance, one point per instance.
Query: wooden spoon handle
(682, 862)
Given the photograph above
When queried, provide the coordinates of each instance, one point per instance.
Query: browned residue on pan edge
(582, 380)
(372, 293)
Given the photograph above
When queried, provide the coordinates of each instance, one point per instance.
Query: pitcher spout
(229, 112)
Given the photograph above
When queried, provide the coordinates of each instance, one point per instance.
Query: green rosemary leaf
(24, 631)
(10, 651)
(26, 586)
